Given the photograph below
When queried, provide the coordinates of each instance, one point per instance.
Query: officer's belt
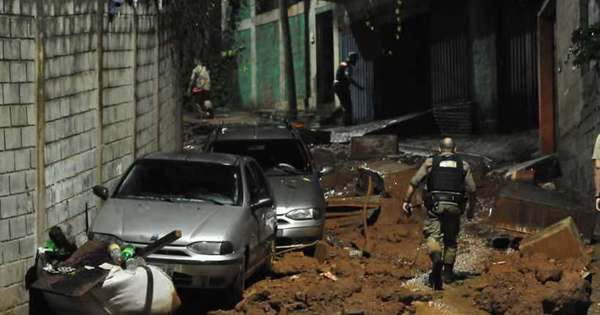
(447, 197)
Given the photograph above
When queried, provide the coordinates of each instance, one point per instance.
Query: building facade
(472, 60)
(260, 77)
(569, 96)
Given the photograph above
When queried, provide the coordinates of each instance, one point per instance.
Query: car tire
(236, 291)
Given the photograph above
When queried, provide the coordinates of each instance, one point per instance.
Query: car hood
(139, 221)
(296, 192)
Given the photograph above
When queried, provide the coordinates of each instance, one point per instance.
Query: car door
(253, 223)
(265, 216)
(268, 222)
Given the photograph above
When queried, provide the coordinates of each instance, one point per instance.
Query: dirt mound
(532, 285)
(295, 263)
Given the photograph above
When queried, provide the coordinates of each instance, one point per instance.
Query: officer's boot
(435, 277)
(448, 276)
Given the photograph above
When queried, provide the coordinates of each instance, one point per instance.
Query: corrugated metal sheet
(451, 75)
(518, 64)
(451, 70)
(363, 74)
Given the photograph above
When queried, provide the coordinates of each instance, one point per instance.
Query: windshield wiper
(143, 196)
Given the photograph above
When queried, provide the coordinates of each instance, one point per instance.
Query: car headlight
(211, 248)
(105, 238)
(304, 214)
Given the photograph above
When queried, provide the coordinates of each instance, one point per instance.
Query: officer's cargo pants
(441, 230)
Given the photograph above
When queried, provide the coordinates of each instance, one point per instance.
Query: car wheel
(236, 291)
(267, 267)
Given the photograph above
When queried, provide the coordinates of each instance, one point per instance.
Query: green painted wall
(267, 65)
(297, 33)
(244, 67)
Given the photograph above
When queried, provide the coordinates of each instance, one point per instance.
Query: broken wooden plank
(528, 209)
(353, 202)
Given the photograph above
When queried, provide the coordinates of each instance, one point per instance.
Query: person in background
(341, 86)
(200, 88)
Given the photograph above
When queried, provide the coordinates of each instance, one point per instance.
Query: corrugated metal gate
(451, 85)
(517, 64)
(363, 74)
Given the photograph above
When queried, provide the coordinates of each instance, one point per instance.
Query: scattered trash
(374, 146)
(355, 253)
(522, 176)
(550, 186)
(70, 286)
(329, 276)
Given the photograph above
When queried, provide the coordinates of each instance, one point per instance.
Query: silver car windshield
(177, 181)
(277, 157)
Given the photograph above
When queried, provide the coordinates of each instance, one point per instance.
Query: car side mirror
(101, 192)
(262, 203)
(325, 170)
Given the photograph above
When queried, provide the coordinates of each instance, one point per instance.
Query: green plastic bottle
(127, 252)
(50, 246)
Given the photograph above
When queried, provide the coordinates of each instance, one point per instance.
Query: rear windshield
(276, 157)
(177, 181)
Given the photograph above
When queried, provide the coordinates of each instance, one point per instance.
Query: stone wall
(79, 99)
(578, 100)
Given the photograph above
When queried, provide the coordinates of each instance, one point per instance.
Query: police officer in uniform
(341, 86)
(448, 183)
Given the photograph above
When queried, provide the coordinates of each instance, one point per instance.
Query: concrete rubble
(559, 241)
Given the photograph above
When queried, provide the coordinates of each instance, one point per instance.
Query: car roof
(255, 133)
(194, 156)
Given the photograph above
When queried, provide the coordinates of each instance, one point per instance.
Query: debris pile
(534, 284)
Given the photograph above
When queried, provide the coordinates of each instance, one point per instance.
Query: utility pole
(288, 59)
(307, 41)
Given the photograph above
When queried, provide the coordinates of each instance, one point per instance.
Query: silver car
(288, 165)
(222, 204)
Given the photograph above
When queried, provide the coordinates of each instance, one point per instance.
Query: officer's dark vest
(447, 175)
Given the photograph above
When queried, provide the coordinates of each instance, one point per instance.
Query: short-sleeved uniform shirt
(596, 154)
(425, 169)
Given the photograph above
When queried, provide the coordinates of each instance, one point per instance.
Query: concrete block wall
(70, 108)
(118, 97)
(17, 152)
(79, 98)
(145, 82)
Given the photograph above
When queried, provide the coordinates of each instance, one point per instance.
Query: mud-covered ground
(392, 279)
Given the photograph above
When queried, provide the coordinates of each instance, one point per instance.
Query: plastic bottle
(127, 253)
(115, 254)
(133, 263)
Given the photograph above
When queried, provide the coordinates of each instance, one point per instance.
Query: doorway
(325, 60)
(518, 64)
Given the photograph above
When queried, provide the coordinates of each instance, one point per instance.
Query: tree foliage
(586, 44)
(199, 33)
